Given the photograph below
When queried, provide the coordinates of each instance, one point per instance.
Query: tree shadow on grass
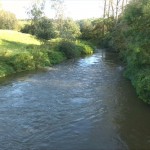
(12, 45)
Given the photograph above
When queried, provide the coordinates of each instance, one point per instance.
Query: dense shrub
(28, 28)
(69, 49)
(142, 84)
(40, 58)
(85, 48)
(5, 69)
(22, 61)
(75, 49)
(140, 78)
(55, 57)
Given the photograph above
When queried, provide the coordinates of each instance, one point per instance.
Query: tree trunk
(104, 15)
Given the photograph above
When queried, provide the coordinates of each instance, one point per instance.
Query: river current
(82, 104)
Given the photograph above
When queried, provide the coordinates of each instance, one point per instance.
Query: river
(82, 104)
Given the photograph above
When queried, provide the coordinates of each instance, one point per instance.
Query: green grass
(20, 52)
(8, 37)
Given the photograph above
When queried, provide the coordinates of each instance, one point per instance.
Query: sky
(76, 9)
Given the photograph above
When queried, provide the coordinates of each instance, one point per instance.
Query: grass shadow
(16, 46)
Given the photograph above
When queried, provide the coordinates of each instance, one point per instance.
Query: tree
(58, 6)
(44, 29)
(36, 10)
(7, 20)
(40, 26)
(70, 29)
(66, 27)
(86, 28)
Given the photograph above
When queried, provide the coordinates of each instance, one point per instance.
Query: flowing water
(83, 104)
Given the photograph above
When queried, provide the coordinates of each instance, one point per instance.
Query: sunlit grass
(15, 36)
(13, 40)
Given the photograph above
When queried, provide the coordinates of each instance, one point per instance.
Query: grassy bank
(22, 52)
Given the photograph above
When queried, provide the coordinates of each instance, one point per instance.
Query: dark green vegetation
(131, 38)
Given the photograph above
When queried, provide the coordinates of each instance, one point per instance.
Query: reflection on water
(83, 104)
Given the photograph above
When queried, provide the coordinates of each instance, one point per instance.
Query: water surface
(83, 104)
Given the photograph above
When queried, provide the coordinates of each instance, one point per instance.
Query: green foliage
(5, 69)
(85, 48)
(130, 38)
(96, 30)
(22, 61)
(86, 29)
(28, 28)
(40, 57)
(140, 78)
(70, 29)
(75, 49)
(21, 52)
(69, 49)
(55, 57)
(142, 84)
(44, 29)
(7, 20)
(40, 26)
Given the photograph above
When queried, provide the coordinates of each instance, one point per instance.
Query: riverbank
(21, 52)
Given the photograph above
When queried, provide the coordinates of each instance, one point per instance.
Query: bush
(5, 69)
(141, 81)
(40, 58)
(28, 29)
(85, 48)
(55, 57)
(22, 61)
(69, 49)
(75, 49)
